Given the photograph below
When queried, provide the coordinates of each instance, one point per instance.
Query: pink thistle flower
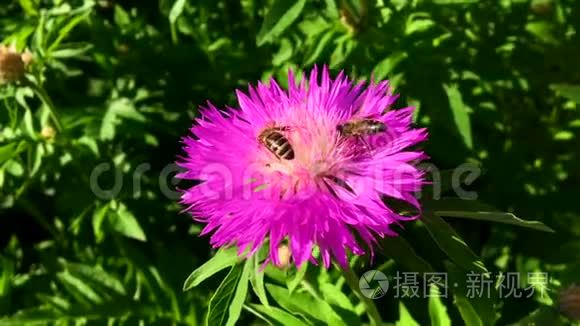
(307, 182)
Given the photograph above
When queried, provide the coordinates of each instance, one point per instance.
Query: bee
(362, 127)
(273, 139)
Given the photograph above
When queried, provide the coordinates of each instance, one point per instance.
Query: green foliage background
(496, 82)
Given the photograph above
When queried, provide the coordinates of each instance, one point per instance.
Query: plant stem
(41, 93)
(353, 281)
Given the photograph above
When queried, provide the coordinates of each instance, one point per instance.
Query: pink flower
(307, 181)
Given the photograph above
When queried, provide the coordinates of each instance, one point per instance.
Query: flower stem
(353, 281)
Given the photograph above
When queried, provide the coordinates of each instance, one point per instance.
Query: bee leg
(365, 143)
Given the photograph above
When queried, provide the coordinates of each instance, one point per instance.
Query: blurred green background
(496, 82)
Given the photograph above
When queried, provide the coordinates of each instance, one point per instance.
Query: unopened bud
(48, 133)
(570, 302)
(348, 21)
(284, 255)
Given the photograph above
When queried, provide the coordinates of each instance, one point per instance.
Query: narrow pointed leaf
(223, 259)
(452, 244)
(240, 296)
(257, 281)
(437, 310)
(220, 302)
(275, 316)
(460, 115)
(279, 17)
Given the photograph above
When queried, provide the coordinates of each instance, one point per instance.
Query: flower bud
(48, 133)
(284, 255)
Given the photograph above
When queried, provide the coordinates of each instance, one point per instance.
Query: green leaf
(331, 8)
(240, 296)
(279, 17)
(384, 67)
(543, 30)
(28, 125)
(176, 10)
(452, 244)
(437, 311)
(223, 258)
(97, 221)
(320, 46)
(29, 7)
(56, 302)
(474, 309)
(125, 222)
(344, 47)
(333, 295)
(37, 161)
(569, 91)
(220, 302)
(96, 275)
(257, 281)
(79, 288)
(284, 54)
(6, 277)
(468, 314)
(39, 34)
(90, 143)
(10, 150)
(476, 210)
(507, 218)
(14, 167)
(563, 135)
(303, 303)
(418, 22)
(71, 50)
(122, 18)
(120, 108)
(20, 37)
(275, 315)
(459, 110)
(33, 316)
(405, 318)
(65, 30)
(542, 316)
(401, 251)
(293, 281)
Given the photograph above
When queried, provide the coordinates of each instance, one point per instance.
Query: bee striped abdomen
(277, 143)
